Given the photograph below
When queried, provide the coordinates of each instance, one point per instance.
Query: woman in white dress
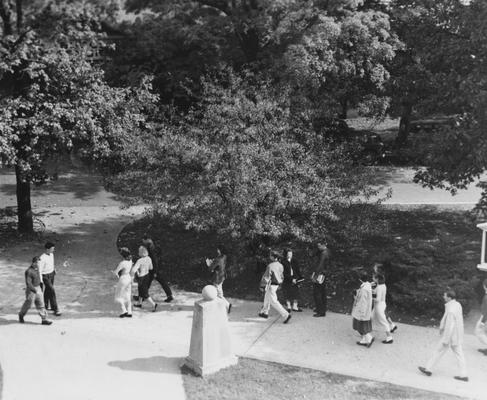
(123, 291)
(142, 268)
(379, 312)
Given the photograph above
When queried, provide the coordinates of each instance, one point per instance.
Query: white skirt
(379, 316)
(123, 290)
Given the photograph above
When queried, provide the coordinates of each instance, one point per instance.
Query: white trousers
(441, 349)
(219, 293)
(270, 299)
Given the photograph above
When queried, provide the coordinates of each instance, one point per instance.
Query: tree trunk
(5, 14)
(24, 208)
(404, 124)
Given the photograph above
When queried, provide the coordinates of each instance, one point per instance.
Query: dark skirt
(362, 327)
(290, 291)
(144, 283)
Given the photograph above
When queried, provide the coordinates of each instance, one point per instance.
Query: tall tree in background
(53, 99)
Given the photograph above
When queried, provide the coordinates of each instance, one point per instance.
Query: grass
(255, 380)
(429, 249)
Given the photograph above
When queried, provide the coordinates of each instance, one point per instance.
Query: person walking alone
(272, 278)
(451, 331)
(47, 272)
(33, 293)
(319, 280)
(218, 268)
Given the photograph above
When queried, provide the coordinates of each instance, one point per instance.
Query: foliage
(240, 164)
(55, 100)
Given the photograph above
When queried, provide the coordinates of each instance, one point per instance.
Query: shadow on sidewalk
(157, 364)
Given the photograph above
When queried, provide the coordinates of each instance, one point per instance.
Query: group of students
(39, 286)
(144, 271)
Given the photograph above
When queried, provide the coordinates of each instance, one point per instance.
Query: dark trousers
(49, 292)
(319, 294)
(159, 277)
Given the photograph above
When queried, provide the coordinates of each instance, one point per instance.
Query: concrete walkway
(91, 354)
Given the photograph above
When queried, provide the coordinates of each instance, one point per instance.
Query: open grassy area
(428, 250)
(255, 380)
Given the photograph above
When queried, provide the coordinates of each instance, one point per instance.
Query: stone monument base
(203, 370)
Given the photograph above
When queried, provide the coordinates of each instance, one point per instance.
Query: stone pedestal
(210, 348)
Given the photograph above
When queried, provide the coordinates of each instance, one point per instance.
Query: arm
(135, 268)
(118, 269)
(28, 281)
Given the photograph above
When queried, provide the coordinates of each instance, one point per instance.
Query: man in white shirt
(273, 277)
(47, 272)
(451, 332)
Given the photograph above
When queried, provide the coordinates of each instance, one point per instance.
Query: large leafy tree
(54, 99)
(240, 164)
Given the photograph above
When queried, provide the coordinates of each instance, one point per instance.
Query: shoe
(262, 315)
(394, 329)
(155, 307)
(483, 351)
(137, 305)
(128, 315)
(362, 344)
(297, 310)
(288, 310)
(319, 315)
(57, 313)
(425, 371)
(388, 341)
(370, 343)
(287, 319)
(123, 315)
(21, 319)
(169, 299)
(229, 308)
(461, 378)
(46, 322)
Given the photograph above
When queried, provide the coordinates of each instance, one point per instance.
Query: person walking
(157, 272)
(379, 269)
(451, 331)
(142, 269)
(319, 280)
(480, 328)
(290, 286)
(379, 309)
(33, 293)
(362, 311)
(47, 272)
(272, 278)
(123, 290)
(218, 268)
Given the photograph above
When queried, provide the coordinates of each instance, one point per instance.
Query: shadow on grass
(156, 364)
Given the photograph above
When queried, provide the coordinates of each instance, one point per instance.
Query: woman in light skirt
(123, 290)
(379, 313)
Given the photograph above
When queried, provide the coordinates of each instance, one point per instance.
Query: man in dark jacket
(217, 268)
(33, 292)
(318, 278)
(290, 284)
(156, 273)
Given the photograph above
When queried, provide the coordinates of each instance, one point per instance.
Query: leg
(317, 298)
(458, 351)
(275, 302)
(219, 291)
(440, 350)
(49, 291)
(29, 297)
(122, 305)
(39, 302)
(162, 281)
(324, 300)
(267, 302)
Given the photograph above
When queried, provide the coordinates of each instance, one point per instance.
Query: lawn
(255, 380)
(427, 250)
